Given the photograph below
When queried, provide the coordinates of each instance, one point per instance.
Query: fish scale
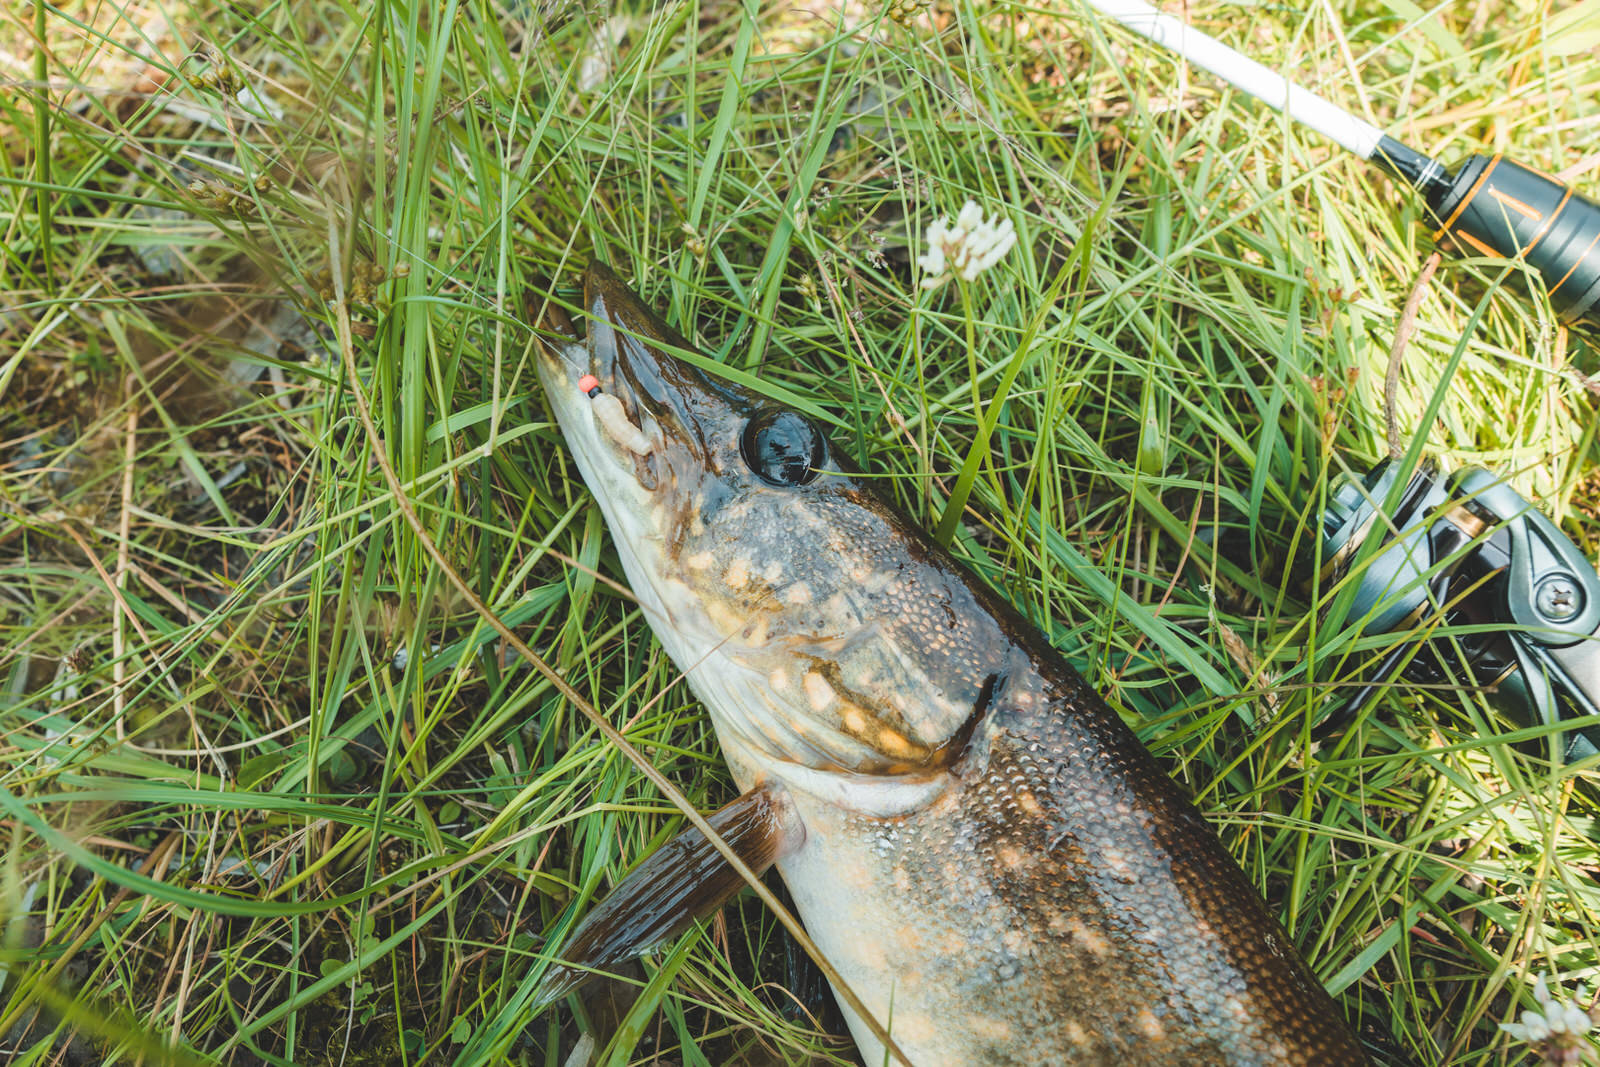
(1067, 886)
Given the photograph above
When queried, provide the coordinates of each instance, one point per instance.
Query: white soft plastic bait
(608, 409)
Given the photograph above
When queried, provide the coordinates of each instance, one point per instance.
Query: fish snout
(585, 366)
(644, 395)
(640, 357)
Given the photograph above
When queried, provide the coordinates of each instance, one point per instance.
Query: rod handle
(1507, 210)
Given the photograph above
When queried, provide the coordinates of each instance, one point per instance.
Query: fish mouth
(665, 408)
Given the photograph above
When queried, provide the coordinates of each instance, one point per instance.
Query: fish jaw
(619, 342)
(565, 358)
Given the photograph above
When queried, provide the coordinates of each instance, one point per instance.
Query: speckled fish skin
(991, 859)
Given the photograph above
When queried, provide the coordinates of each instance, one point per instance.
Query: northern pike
(971, 835)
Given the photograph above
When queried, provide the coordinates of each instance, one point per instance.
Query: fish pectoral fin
(684, 880)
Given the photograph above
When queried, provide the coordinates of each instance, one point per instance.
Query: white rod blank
(1243, 73)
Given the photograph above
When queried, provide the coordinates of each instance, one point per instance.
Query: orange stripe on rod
(1575, 264)
(1467, 238)
(1546, 227)
(1515, 205)
(1465, 200)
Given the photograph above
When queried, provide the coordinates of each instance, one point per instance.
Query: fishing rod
(1467, 549)
(1490, 204)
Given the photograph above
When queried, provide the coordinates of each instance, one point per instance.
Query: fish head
(816, 623)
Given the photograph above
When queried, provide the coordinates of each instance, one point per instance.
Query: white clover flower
(1557, 1030)
(966, 248)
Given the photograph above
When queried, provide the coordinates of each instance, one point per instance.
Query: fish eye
(783, 448)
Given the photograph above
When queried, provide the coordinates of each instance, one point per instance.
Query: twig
(119, 634)
(1402, 334)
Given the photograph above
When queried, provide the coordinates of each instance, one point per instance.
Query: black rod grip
(1507, 210)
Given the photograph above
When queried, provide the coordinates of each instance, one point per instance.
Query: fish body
(986, 853)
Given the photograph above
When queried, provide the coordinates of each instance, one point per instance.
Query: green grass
(245, 835)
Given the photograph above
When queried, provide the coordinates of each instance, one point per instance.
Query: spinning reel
(1520, 599)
